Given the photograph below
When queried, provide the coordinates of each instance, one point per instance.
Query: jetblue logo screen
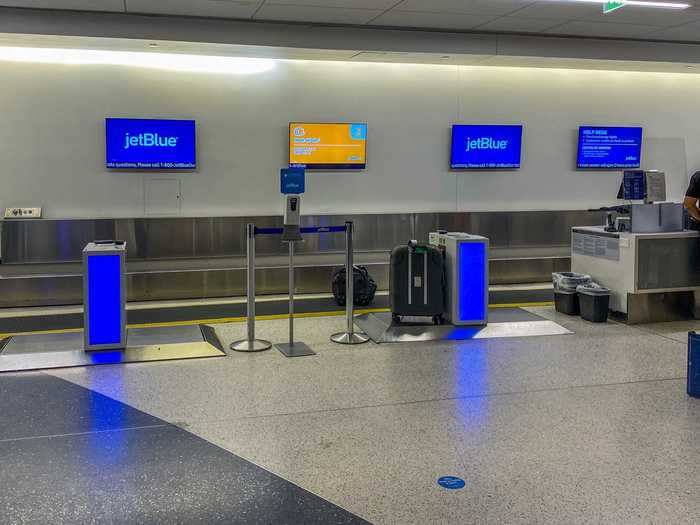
(486, 147)
(609, 148)
(150, 144)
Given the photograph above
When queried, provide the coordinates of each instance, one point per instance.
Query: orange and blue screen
(328, 146)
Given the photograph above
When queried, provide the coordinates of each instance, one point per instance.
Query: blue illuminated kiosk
(467, 277)
(104, 295)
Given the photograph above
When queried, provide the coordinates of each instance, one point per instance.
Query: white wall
(52, 135)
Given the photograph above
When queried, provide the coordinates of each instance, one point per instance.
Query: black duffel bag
(364, 288)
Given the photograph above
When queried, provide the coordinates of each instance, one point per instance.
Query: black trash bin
(693, 364)
(566, 299)
(566, 302)
(594, 301)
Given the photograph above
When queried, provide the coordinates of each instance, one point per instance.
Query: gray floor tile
(369, 374)
(150, 476)
(616, 454)
(611, 454)
(309, 330)
(36, 404)
(587, 428)
(381, 462)
(677, 331)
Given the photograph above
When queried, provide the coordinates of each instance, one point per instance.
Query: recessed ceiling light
(636, 3)
(152, 44)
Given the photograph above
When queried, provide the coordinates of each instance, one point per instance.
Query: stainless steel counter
(197, 257)
(651, 275)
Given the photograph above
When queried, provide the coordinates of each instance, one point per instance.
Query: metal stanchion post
(292, 284)
(292, 348)
(349, 337)
(250, 344)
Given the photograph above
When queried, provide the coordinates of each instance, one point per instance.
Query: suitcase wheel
(396, 318)
(438, 319)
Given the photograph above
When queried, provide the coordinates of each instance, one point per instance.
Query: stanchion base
(295, 349)
(256, 345)
(347, 338)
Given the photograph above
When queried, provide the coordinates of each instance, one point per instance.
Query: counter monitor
(602, 147)
(150, 144)
(486, 147)
(341, 146)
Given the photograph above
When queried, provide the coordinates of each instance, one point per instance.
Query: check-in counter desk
(651, 275)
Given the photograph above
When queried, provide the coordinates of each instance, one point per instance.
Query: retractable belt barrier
(313, 229)
(250, 344)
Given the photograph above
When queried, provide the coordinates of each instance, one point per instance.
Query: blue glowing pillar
(473, 284)
(467, 268)
(104, 295)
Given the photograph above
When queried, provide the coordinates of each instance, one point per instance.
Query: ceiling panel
(645, 16)
(309, 14)
(517, 24)
(431, 20)
(600, 65)
(603, 29)
(212, 8)
(419, 58)
(82, 5)
(655, 17)
(687, 33)
(348, 4)
(478, 7)
(128, 44)
(561, 10)
(526, 16)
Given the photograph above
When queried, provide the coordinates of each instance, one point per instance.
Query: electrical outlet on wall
(23, 213)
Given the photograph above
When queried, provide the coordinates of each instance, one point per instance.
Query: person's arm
(691, 204)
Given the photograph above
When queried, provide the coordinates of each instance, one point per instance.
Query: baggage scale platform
(61, 350)
(503, 322)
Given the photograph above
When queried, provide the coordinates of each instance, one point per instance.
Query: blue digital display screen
(104, 299)
(486, 146)
(150, 144)
(609, 147)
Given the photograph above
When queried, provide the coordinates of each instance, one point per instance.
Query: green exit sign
(609, 7)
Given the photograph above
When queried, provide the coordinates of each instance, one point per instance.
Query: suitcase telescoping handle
(411, 248)
(410, 273)
(412, 245)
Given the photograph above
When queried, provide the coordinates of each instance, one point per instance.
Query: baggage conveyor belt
(212, 311)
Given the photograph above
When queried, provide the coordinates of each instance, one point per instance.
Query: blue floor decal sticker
(451, 482)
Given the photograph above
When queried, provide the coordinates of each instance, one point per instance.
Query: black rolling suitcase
(417, 281)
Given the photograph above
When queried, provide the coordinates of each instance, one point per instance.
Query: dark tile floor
(70, 455)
